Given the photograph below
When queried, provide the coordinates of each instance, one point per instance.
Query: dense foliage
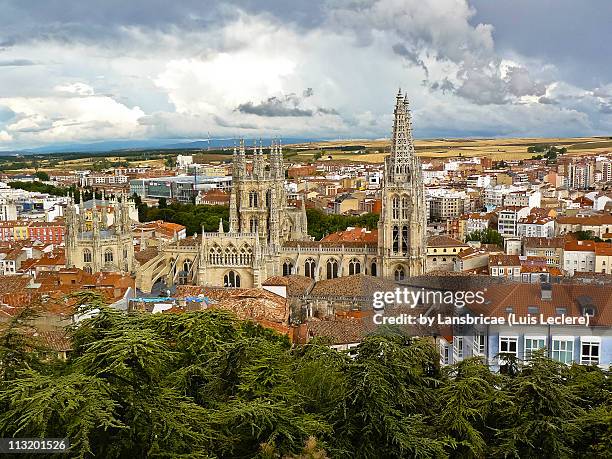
(488, 236)
(321, 224)
(203, 384)
(192, 216)
(87, 193)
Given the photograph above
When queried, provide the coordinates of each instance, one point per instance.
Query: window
(405, 240)
(108, 256)
(373, 268)
(253, 225)
(287, 268)
(508, 345)
(533, 344)
(396, 207)
(400, 274)
(253, 199)
(231, 279)
(563, 350)
(444, 353)
(309, 268)
(457, 347)
(405, 207)
(354, 267)
(87, 256)
(589, 354)
(332, 268)
(396, 244)
(478, 345)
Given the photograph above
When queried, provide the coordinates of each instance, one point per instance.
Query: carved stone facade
(267, 237)
(402, 237)
(92, 244)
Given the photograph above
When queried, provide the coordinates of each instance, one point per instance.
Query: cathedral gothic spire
(403, 224)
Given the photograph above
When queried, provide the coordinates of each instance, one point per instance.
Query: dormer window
(588, 311)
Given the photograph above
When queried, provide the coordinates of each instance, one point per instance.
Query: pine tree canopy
(204, 384)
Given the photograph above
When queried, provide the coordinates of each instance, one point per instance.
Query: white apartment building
(494, 195)
(527, 198)
(579, 256)
(445, 204)
(508, 218)
(533, 226)
(580, 175)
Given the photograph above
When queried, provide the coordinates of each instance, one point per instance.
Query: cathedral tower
(402, 225)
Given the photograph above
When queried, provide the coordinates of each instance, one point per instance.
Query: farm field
(376, 150)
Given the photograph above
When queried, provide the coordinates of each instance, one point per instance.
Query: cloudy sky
(82, 71)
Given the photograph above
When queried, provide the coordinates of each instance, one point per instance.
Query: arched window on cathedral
(354, 266)
(187, 265)
(231, 255)
(396, 239)
(373, 269)
(231, 279)
(405, 207)
(253, 225)
(399, 272)
(214, 255)
(404, 239)
(268, 199)
(309, 268)
(287, 268)
(86, 256)
(88, 269)
(396, 207)
(253, 199)
(108, 256)
(332, 268)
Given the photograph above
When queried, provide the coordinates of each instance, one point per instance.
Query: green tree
(42, 176)
(487, 236)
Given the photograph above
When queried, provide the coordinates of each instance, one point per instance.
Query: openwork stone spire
(402, 158)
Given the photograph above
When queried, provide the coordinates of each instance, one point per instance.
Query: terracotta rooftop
(591, 220)
(296, 285)
(580, 246)
(445, 241)
(567, 298)
(504, 260)
(247, 303)
(544, 242)
(146, 255)
(358, 285)
(356, 234)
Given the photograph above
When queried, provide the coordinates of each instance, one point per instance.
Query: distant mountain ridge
(161, 144)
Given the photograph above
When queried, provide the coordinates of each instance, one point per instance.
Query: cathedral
(267, 236)
(100, 238)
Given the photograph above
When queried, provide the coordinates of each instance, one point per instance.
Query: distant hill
(157, 144)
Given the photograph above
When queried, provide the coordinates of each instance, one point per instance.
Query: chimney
(546, 291)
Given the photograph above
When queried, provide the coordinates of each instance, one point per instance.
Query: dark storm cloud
(606, 108)
(88, 21)
(275, 106)
(444, 85)
(547, 101)
(17, 63)
(575, 36)
(288, 105)
(411, 55)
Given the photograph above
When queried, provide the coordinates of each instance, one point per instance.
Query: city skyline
(82, 73)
